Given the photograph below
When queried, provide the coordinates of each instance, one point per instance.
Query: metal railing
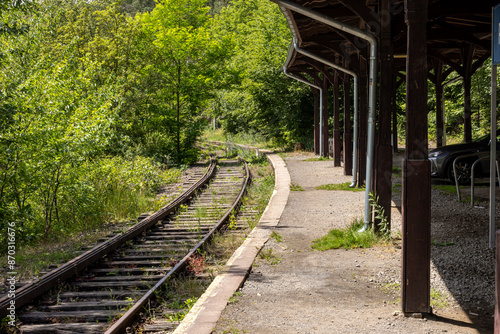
(480, 156)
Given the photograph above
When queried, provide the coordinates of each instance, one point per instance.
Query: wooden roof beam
(360, 9)
(459, 69)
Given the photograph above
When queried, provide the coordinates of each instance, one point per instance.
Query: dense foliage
(95, 96)
(260, 100)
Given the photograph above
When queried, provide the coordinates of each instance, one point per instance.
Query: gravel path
(293, 289)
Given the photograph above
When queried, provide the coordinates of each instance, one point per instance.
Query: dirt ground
(293, 289)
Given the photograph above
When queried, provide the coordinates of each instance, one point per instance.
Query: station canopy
(456, 30)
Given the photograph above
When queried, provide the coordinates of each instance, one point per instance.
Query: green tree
(260, 99)
(177, 39)
(58, 109)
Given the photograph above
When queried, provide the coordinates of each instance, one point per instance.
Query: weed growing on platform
(339, 186)
(393, 290)
(318, 159)
(276, 236)
(349, 237)
(384, 228)
(442, 244)
(234, 297)
(439, 299)
(269, 256)
(295, 187)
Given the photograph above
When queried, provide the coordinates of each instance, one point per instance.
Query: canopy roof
(455, 29)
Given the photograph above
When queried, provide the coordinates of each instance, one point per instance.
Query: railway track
(115, 280)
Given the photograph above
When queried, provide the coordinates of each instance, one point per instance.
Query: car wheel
(463, 170)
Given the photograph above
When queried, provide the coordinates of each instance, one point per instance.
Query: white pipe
(355, 76)
(320, 102)
(372, 91)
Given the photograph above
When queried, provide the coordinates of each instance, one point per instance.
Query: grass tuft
(396, 171)
(439, 299)
(295, 187)
(339, 186)
(276, 236)
(318, 159)
(347, 238)
(446, 188)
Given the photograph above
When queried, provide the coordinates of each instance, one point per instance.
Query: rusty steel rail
(130, 316)
(31, 291)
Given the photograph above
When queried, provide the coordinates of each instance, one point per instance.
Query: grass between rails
(217, 253)
(257, 198)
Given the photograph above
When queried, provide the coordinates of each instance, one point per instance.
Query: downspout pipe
(355, 76)
(320, 100)
(372, 91)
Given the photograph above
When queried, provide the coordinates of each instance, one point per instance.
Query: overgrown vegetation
(97, 99)
(223, 245)
(348, 237)
(384, 228)
(256, 200)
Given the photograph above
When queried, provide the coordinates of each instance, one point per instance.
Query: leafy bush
(98, 191)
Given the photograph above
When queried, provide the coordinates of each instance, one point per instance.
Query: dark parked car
(442, 160)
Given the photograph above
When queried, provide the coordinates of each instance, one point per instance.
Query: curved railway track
(107, 287)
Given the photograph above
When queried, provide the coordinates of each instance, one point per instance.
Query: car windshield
(487, 137)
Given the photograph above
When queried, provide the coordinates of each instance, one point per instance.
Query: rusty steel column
(363, 120)
(383, 170)
(324, 140)
(347, 151)
(316, 120)
(416, 201)
(336, 121)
